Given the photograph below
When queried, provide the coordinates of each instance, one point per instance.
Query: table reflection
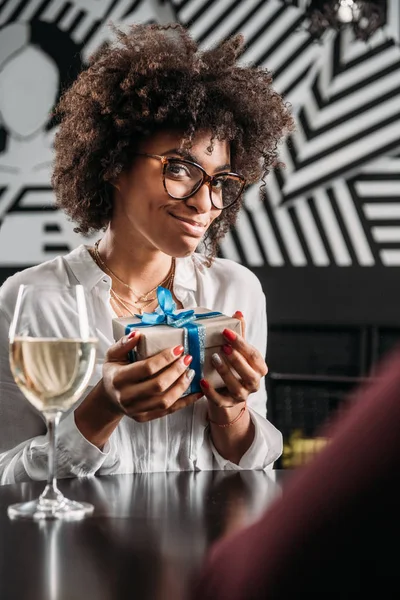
(208, 504)
(148, 534)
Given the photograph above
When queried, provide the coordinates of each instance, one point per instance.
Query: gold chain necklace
(143, 300)
(116, 298)
(118, 301)
(139, 297)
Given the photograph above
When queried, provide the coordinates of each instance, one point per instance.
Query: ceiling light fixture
(365, 17)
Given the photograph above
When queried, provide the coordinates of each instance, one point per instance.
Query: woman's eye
(178, 170)
(219, 183)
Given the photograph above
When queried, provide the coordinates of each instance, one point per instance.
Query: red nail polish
(230, 335)
(239, 314)
(132, 335)
(188, 359)
(227, 349)
(204, 383)
(178, 350)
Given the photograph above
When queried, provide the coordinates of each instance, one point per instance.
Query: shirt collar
(185, 273)
(89, 274)
(85, 269)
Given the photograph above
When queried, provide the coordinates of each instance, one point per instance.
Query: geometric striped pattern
(377, 190)
(86, 21)
(271, 29)
(336, 201)
(346, 100)
(26, 199)
(322, 229)
(350, 115)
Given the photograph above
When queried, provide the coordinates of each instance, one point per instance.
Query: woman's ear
(116, 183)
(121, 182)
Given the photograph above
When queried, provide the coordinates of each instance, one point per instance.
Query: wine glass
(52, 357)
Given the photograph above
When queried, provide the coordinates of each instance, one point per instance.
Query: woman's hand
(248, 363)
(232, 430)
(150, 388)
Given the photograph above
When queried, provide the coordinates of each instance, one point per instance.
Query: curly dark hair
(155, 77)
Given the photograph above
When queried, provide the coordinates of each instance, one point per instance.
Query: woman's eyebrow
(226, 167)
(189, 156)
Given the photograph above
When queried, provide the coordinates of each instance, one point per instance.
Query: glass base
(37, 510)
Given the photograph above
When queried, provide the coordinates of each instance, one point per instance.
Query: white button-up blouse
(177, 442)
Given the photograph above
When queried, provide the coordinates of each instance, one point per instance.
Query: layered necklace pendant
(142, 302)
(138, 307)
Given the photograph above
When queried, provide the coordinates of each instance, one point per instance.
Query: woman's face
(143, 208)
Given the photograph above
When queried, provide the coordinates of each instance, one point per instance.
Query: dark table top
(147, 536)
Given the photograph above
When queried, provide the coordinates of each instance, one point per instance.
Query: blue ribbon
(194, 337)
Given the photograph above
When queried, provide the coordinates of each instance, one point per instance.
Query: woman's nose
(201, 200)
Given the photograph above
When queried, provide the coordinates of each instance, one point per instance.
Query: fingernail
(177, 351)
(230, 335)
(239, 314)
(128, 337)
(204, 383)
(190, 373)
(187, 360)
(227, 349)
(216, 359)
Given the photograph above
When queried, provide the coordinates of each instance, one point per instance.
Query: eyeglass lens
(183, 179)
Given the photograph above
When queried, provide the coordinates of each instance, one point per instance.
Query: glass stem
(51, 493)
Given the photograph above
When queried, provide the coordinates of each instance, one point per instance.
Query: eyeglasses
(182, 179)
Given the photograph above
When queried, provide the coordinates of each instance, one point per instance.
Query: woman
(155, 145)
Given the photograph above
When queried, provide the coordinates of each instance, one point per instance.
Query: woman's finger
(119, 352)
(252, 355)
(239, 315)
(248, 376)
(179, 404)
(145, 369)
(220, 399)
(235, 387)
(158, 392)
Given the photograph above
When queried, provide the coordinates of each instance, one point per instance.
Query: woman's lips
(192, 227)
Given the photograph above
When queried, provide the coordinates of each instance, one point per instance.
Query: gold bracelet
(239, 416)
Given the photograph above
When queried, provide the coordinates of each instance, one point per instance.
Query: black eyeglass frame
(207, 179)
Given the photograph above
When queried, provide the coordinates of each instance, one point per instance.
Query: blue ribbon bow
(194, 333)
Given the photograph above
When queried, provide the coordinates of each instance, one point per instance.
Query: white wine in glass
(52, 357)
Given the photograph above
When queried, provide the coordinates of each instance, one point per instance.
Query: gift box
(198, 330)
